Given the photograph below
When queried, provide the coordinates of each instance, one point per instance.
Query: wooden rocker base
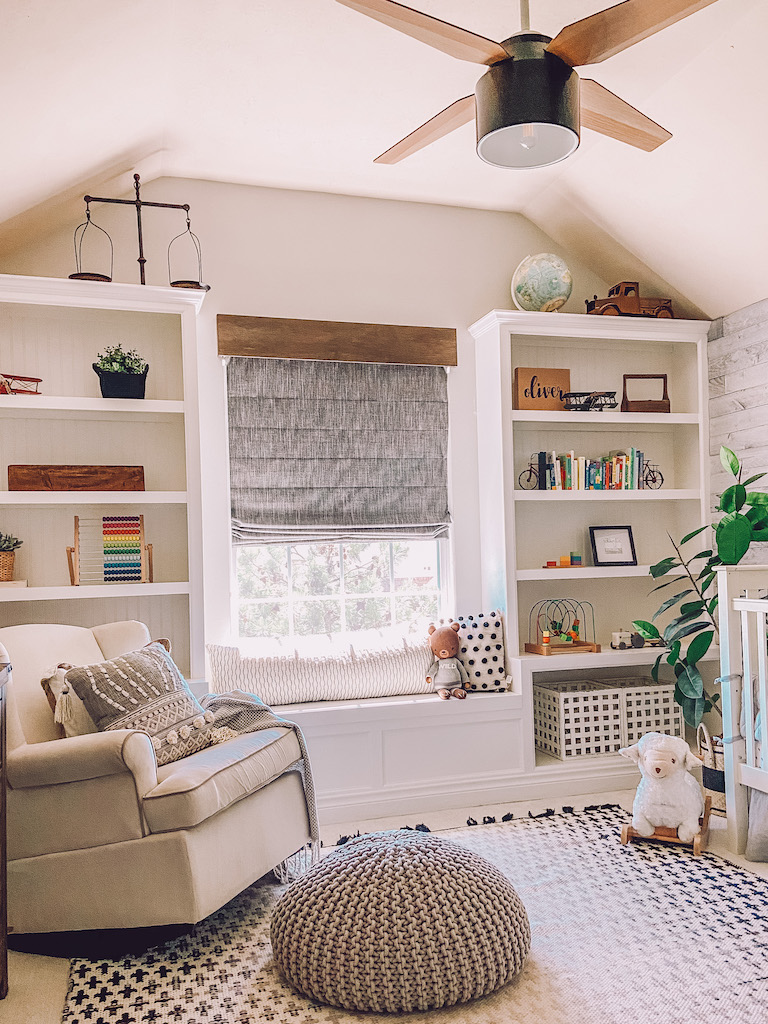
(669, 835)
(577, 647)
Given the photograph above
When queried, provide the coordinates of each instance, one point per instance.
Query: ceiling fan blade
(606, 113)
(441, 124)
(458, 42)
(601, 35)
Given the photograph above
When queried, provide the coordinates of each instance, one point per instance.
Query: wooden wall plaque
(540, 387)
(75, 478)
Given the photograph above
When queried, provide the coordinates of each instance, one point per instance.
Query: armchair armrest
(84, 757)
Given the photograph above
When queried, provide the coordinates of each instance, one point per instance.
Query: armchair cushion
(207, 782)
(83, 757)
(145, 690)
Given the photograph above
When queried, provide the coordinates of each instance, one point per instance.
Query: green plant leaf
(663, 567)
(691, 608)
(707, 583)
(757, 498)
(646, 629)
(733, 536)
(679, 668)
(674, 652)
(667, 583)
(759, 533)
(733, 498)
(712, 605)
(757, 514)
(702, 554)
(669, 602)
(692, 708)
(729, 460)
(670, 634)
(690, 536)
(655, 669)
(690, 682)
(752, 479)
(698, 647)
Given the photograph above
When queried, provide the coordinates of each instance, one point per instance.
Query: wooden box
(75, 478)
(540, 388)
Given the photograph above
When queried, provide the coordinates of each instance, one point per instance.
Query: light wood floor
(38, 984)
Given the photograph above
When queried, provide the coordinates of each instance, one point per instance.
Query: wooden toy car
(589, 401)
(624, 300)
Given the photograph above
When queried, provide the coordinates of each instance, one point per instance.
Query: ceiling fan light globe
(527, 145)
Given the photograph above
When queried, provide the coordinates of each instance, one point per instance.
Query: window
(332, 588)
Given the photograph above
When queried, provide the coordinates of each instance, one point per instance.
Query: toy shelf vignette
(558, 626)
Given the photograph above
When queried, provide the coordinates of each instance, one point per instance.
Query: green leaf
(670, 635)
(655, 669)
(666, 583)
(715, 698)
(646, 629)
(690, 536)
(759, 533)
(698, 647)
(706, 584)
(752, 479)
(733, 536)
(712, 605)
(692, 707)
(691, 608)
(663, 567)
(702, 554)
(733, 498)
(729, 460)
(757, 498)
(690, 682)
(757, 514)
(674, 652)
(669, 602)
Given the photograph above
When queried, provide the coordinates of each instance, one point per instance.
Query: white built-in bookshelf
(53, 329)
(523, 529)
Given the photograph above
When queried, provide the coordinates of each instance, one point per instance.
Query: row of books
(616, 471)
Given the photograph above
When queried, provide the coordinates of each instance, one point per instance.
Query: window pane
(316, 617)
(267, 618)
(316, 569)
(415, 565)
(418, 611)
(368, 613)
(366, 568)
(262, 570)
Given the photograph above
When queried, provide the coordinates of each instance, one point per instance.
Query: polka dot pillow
(482, 650)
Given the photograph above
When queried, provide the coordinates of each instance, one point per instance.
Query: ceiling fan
(530, 104)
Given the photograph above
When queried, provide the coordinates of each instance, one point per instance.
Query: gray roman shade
(323, 450)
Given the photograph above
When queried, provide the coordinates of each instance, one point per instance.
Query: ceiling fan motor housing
(527, 106)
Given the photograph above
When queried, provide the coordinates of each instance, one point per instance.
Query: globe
(541, 283)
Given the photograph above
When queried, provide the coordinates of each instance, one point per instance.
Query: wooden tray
(577, 647)
(669, 835)
(75, 478)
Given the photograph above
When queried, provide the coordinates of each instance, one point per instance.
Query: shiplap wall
(738, 399)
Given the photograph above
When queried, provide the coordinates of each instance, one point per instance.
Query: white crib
(743, 622)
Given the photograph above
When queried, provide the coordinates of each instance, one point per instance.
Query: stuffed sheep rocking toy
(667, 795)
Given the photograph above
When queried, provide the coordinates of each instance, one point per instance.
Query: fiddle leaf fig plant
(687, 637)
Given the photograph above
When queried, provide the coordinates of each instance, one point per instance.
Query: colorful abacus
(110, 549)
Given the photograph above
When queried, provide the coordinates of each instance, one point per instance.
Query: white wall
(270, 252)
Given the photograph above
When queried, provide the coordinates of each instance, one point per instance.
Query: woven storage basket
(6, 565)
(647, 707)
(713, 773)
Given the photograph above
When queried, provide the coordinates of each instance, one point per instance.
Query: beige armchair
(100, 837)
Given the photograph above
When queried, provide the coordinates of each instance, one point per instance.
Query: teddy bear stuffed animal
(667, 795)
(446, 673)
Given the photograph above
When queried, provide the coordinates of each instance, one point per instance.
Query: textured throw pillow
(145, 690)
(69, 712)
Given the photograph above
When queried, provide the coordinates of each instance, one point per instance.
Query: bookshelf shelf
(662, 494)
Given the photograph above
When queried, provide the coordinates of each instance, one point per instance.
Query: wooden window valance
(279, 338)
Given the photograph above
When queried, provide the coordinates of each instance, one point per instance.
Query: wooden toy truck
(624, 300)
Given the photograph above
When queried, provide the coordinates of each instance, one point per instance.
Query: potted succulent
(8, 546)
(121, 374)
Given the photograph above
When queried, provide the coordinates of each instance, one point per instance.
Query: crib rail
(743, 612)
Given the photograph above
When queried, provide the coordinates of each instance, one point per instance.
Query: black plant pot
(121, 385)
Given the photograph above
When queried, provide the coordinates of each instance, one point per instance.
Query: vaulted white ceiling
(304, 93)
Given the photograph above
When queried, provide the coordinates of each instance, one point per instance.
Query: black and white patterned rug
(642, 933)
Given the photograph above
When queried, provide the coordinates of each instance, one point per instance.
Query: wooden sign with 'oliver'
(540, 387)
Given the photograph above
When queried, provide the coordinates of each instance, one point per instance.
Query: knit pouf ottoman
(400, 921)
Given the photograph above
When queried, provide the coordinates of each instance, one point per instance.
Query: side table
(5, 670)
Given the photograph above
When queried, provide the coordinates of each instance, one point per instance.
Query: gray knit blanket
(238, 712)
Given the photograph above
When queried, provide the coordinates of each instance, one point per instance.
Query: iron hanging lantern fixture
(188, 283)
(80, 231)
(138, 203)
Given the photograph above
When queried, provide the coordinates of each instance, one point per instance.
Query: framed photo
(612, 545)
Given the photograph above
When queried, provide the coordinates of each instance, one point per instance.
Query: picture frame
(612, 545)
